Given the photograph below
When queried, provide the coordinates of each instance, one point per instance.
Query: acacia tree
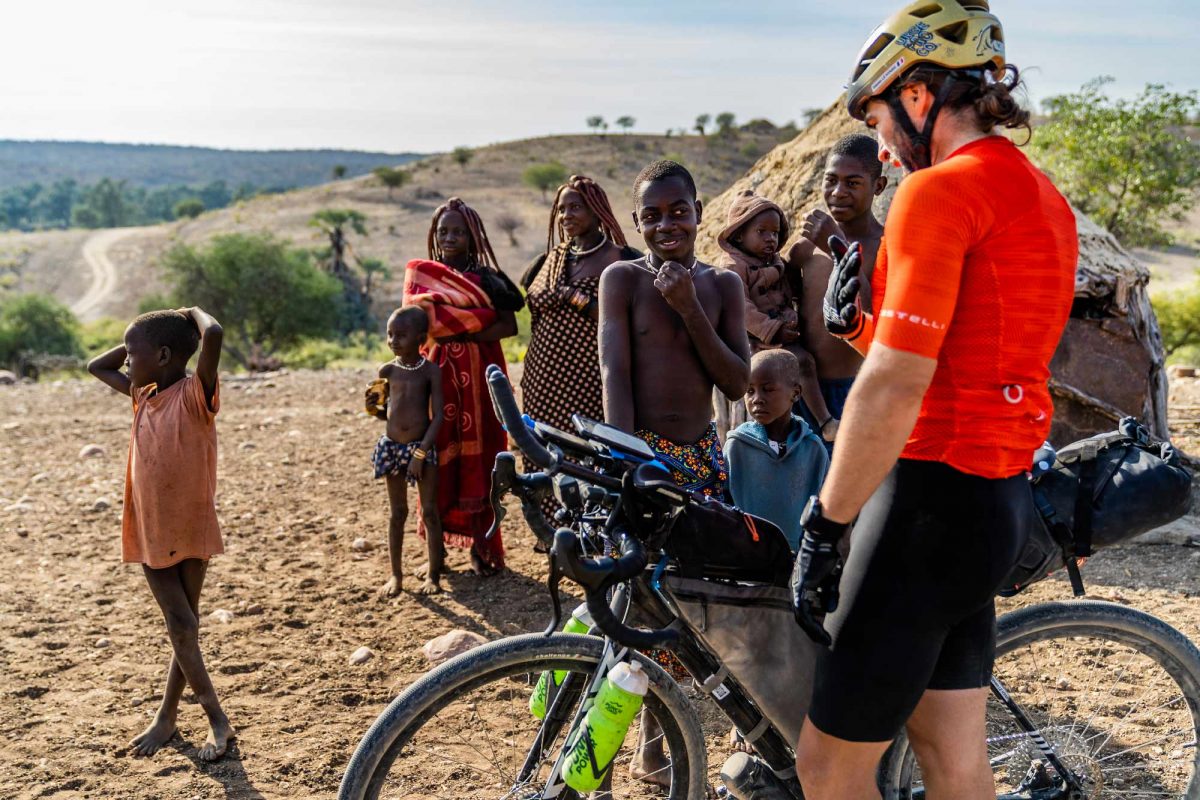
(544, 176)
(725, 123)
(1128, 164)
(333, 222)
(462, 156)
(392, 178)
(702, 123)
(596, 123)
(626, 122)
(510, 223)
(339, 171)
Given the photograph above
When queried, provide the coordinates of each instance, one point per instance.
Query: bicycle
(1074, 714)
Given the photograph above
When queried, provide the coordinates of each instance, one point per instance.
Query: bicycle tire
(530, 653)
(1164, 645)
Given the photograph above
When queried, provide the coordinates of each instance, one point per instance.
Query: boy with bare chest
(672, 328)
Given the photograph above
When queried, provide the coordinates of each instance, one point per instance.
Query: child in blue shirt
(776, 462)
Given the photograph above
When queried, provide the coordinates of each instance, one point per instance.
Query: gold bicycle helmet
(954, 34)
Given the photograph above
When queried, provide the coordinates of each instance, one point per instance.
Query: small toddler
(408, 394)
(775, 460)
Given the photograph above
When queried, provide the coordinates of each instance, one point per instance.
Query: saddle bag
(1099, 492)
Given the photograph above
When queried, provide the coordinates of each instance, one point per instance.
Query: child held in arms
(752, 241)
(775, 460)
(170, 518)
(408, 394)
(672, 329)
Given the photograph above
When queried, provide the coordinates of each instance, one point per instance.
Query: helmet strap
(921, 141)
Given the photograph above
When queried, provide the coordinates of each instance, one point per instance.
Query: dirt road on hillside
(104, 272)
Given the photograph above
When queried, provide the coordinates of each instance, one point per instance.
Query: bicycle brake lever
(504, 478)
(552, 582)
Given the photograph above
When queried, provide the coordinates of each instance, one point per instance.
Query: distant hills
(153, 165)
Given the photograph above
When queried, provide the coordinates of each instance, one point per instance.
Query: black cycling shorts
(927, 555)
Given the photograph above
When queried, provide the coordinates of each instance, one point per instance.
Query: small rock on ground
(91, 451)
(361, 656)
(221, 615)
(361, 545)
(449, 645)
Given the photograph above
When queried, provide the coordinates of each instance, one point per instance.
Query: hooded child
(751, 243)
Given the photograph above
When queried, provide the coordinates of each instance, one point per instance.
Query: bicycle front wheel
(1114, 691)
(464, 730)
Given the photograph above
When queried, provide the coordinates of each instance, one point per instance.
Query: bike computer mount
(616, 440)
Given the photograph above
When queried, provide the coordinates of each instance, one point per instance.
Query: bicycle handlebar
(510, 415)
(598, 575)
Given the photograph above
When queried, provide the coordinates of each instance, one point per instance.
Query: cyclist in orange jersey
(971, 291)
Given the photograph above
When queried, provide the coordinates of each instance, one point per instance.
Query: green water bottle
(580, 621)
(617, 703)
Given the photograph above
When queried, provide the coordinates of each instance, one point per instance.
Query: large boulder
(1110, 362)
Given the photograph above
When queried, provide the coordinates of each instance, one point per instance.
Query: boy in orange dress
(170, 525)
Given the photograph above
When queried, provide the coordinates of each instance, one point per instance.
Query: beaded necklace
(406, 367)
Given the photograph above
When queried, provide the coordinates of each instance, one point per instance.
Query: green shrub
(1178, 315)
(103, 334)
(190, 208)
(266, 295)
(33, 326)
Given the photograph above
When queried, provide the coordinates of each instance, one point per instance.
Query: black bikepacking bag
(713, 540)
(1100, 491)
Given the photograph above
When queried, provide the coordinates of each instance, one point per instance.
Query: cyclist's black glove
(841, 308)
(817, 572)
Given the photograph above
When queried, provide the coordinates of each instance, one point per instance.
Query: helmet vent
(927, 10)
(956, 33)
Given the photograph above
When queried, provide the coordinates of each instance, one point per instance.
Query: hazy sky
(402, 75)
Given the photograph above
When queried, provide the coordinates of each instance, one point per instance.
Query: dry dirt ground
(83, 652)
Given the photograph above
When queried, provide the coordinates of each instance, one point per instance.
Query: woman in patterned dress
(561, 373)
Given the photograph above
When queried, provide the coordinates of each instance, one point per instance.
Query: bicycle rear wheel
(464, 730)
(1114, 691)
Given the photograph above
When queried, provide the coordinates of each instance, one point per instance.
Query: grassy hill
(152, 165)
(398, 225)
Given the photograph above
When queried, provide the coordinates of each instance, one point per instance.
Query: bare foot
(430, 586)
(829, 432)
(151, 740)
(220, 734)
(656, 772)
(421, 570)
(481, 567)
(737, 743)
(392, 587)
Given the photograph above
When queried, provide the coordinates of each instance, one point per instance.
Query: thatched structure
(1110, 362)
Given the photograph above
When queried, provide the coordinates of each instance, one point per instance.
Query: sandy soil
(83, 654)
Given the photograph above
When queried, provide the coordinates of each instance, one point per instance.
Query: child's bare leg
(649, 763)
(810, 390)
(174, 589)
(397, 486)
(435, 546)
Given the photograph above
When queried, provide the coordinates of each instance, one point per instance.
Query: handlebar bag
(714, 540)
(1101, 491)
(753, 633)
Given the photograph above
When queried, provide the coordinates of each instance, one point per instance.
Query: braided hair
(480, 250)
(558, 244)
(596, 200)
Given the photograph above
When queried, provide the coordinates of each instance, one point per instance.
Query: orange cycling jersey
(977, 270)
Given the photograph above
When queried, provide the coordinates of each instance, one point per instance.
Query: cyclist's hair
(863, 149)
(660, 171)
(412, 315)
(169, 328)
(991, 99)
(780, 362)
(479, 248)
